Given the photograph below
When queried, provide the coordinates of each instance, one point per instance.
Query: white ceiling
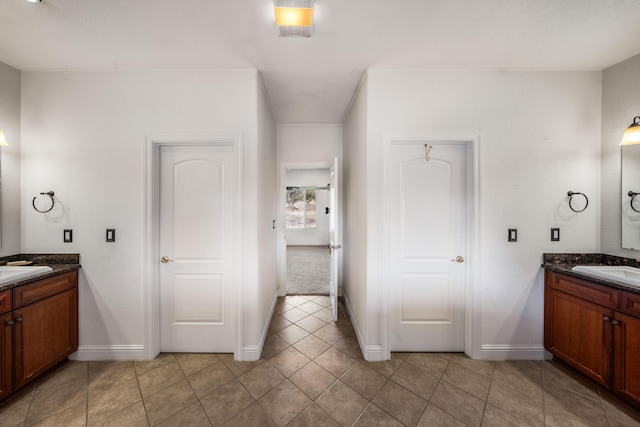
(312, 80)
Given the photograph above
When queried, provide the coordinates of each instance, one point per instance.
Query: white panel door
(427, 233)
(197, 190)
(334, 245)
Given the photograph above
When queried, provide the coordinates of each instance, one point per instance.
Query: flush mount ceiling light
(294, 18)
(3, 141)
(632, 134)
(34, 1)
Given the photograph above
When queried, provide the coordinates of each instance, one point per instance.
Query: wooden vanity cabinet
(626, 338)
(577, 331)
(45, 334)
(40, 331)
(6, 345)
(627, 357)
(595, 329)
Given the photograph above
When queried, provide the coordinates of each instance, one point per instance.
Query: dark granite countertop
(563, 263)
(60, 263)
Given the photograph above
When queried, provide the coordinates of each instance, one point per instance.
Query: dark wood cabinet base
(39, 329)
(596, 330)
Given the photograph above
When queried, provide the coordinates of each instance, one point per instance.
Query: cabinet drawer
(5, 302)
(27, 294)
(630, 303)
(598, 294)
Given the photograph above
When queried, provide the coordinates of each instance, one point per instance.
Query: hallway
(312, 374)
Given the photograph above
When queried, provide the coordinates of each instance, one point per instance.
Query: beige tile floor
(312, 374)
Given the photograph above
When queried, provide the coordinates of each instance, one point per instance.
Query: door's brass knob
(458, 259)
(165, 259)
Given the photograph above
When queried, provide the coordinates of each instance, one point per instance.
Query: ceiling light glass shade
(3, 141)
(294, 18)
(632, 134)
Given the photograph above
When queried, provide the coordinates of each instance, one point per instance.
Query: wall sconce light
(294, 18)
(3, 141)
(632, 134)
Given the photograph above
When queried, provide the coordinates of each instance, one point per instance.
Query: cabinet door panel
(6, 353)
(5, 302)
(630, 304)
(45, 334)
(578, 332)
(627, 358)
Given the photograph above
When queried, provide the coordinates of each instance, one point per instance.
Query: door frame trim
(472, 303)
(282, 219)
(151, 230)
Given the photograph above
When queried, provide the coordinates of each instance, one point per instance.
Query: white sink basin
(628, 275)
(12, 274)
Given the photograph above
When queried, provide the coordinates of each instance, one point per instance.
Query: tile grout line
(544, 397)
(337, 378)
(33, 393)
(606, 414)
(144, 403)
(26, 416)
(486, 402)
(433, 392)
(375, 395)
(86, 406)
(192, 389)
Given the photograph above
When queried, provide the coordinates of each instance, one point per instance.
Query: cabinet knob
(615, 323)
(9, 323)
(18, 319)
(606, 319)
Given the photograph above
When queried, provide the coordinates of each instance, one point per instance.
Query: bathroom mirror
(0, 198)
(630, 202)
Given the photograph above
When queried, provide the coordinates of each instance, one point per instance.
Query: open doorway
(307, 231)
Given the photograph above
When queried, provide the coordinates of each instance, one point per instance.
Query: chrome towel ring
(48, 193)
(575, 193)
(633, 196)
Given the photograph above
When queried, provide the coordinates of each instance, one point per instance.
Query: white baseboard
(371, 353)
(252, 353)
(108, 352)
(512, 352)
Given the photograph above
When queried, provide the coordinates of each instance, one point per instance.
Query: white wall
(319, 235)
(10, 82)
(620, 104)
(267, 198)
(539, 136)
(309, 143)
(355, 235)
(83, 136)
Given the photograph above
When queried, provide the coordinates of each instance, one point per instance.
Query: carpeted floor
(307, 270)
